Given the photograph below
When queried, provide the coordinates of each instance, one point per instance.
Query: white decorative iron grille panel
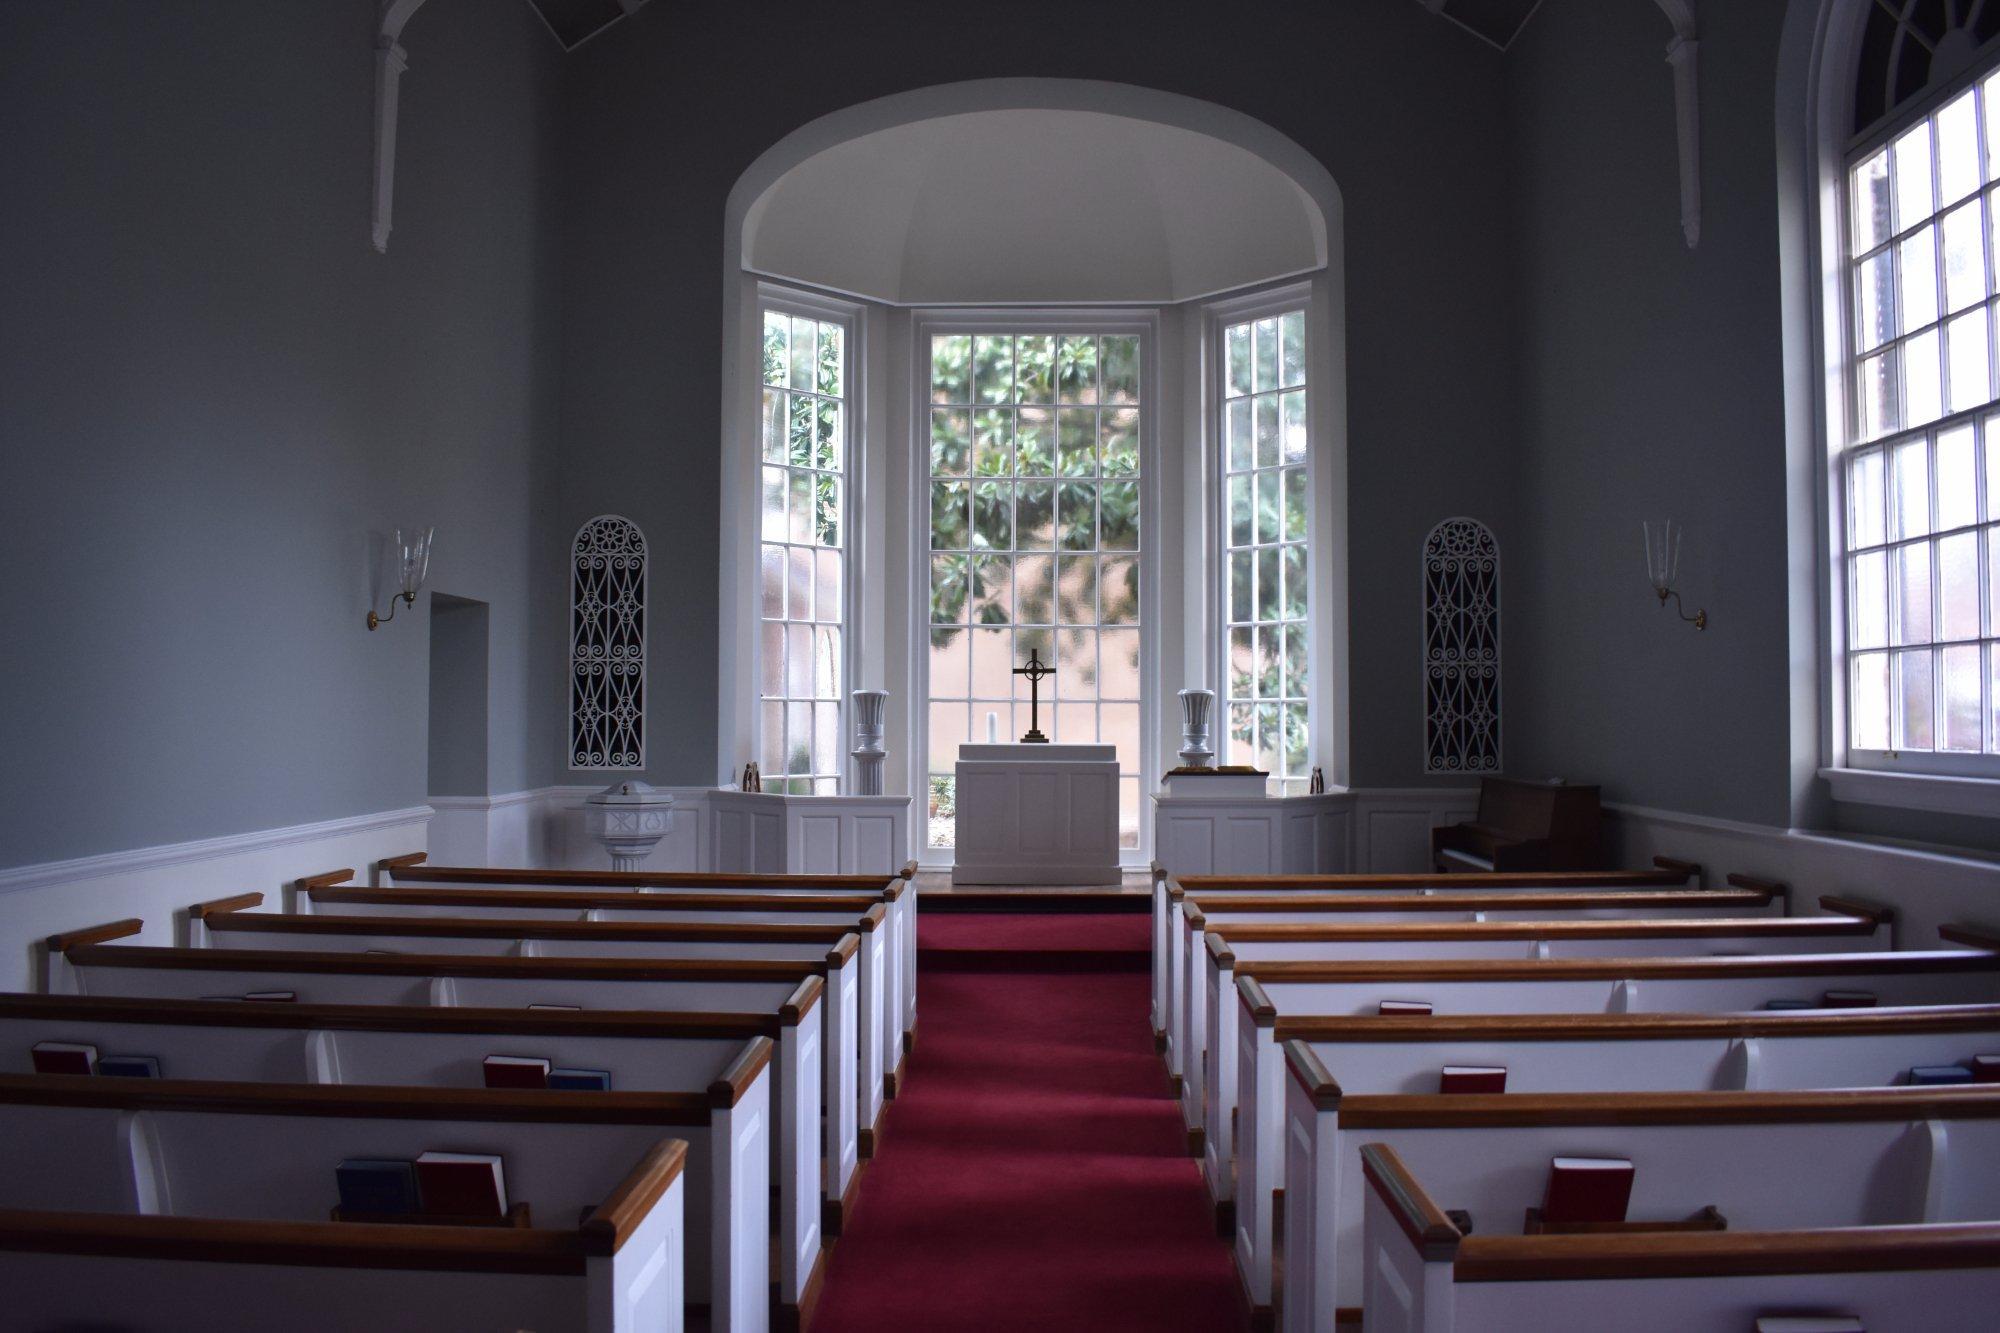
(1461, 648)
(607, 653)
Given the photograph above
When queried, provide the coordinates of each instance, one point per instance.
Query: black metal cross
(1036, 671)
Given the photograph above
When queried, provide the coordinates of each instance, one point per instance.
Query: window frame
(1938, 780)
(928, 322)
(796, 301)
(1216, 318)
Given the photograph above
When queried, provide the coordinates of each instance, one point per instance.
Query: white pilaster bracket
(390, 62)
(1682, 54)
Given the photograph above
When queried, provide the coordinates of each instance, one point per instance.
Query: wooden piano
(1524, 826)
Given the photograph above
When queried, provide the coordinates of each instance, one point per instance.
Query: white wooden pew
(231, 1041)
(797, 906)
(1347, 1059)
(619, 1271)
(230, 922)
(1194, 913)
(1278, 1001)
(250, 1151)
(899, 887)
(1209, 1092)
(1872, 1204)
(85, 963)
(1169, 890)
(1235, 913)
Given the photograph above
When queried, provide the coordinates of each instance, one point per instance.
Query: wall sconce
(412, 548)
(1663, 558)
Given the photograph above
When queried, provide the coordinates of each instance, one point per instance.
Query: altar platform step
(1068, 941)
(938, 895)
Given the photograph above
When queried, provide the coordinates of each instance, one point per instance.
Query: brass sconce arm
(407, 598)
(1699, 619)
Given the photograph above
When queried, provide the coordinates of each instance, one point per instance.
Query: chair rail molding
(390, 62)
(1682, 54)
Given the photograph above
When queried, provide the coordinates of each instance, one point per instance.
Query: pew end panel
(1412, 1247)
(199, 918)
(59, 976)
(636, 1240)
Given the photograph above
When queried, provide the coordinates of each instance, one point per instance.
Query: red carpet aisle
(1032, 1175)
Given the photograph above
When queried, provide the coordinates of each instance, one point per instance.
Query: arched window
(1913, 431)
(607, 649)
(1461, 648)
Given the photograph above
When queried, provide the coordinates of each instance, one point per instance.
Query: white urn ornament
(1195, 708)
(629, 818)
(869, 708)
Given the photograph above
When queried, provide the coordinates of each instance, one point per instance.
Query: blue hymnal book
(580, 1080)
(129, 1066)
(1920, 1076)
(1790, 1004)
(377, 1185)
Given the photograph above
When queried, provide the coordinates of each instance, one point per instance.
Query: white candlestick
(992, 728)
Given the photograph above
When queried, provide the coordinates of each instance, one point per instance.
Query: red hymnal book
(1986, 1069)
(1473, 1078)
(1387, 1007)
(64, 1057)
(1587, 1189)
(461, 1184)
(516, 1071)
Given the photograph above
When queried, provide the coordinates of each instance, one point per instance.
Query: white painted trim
(390, 62)
(486, 803)
(1915, 791)
(140, 860)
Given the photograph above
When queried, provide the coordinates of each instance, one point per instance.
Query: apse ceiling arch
(1148, 106)
(1236, 141)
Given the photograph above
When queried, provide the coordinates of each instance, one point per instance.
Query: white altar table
(1037, 814)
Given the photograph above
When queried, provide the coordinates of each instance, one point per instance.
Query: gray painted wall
(1650, 386)
(213, 392)
(663, 115)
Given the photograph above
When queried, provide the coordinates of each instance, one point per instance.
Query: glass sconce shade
(1663, 553)
(413, 550)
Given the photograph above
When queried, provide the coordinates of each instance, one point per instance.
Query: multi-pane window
(1033, 484)
(803, 445)
(1265, 508)
(1920, 466)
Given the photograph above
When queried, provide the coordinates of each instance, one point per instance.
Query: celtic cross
(1036, 671)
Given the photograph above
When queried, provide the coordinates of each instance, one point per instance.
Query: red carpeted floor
(1033, 1173)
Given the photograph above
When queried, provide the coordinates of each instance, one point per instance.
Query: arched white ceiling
(1033, 206)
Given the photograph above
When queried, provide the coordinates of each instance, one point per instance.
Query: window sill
(1915, 791)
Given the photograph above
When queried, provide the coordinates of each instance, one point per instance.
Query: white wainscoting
(1383, 830)
(736, 832)
(157, 884)
(1929, 886)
